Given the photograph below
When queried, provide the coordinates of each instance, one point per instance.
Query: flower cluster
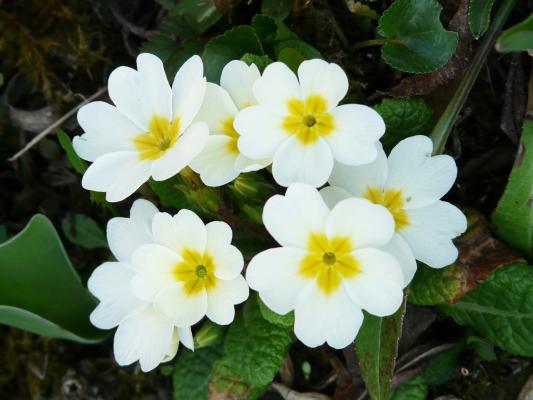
(349, 247)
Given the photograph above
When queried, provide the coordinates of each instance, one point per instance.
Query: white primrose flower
(410, 184)
(143, 334)
(148, 133)
(329, 267)
(221, 161)
(191, 270)
(299, 123)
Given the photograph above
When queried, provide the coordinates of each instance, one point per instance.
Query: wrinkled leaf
(39, 289)
(278, 9)
(403, 118)
(479, 16)
(377, 348)
(501, 309)
(231, 45)
(418, 41)
(193, 372)
(254, 350)
(517, 38)
(84, 232)
(513, 217)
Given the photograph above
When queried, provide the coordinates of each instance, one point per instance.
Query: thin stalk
(444, 125)
(371, 42)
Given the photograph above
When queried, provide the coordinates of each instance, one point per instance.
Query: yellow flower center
(308, 119)
(196, 271)
(229, 130)
(394, 201)
(162, 135)
(328, 261)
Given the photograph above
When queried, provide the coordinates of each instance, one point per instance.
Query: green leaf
(254, 350)
(193, 372)
(172, 53)
(517, 38)
(271, 31)
(417, 40)
(199, 15)
(3, 233)
(377, 348)
(441, 367)
(260, 61)
(413, 389)
(278, 9)
(404, 117)
(292, 58)
(482, 347)
(513, 217)
(39, 289)
(275, 318)
(432, 286)
(77, 163)
(84, 232)
(231, 45)
(209, 334)
(479, 16)
(501, 309)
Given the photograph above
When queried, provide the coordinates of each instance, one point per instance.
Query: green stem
(371, 42)
(444, 125)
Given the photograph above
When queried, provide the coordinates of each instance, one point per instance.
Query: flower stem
(444, 125)
(371, 42)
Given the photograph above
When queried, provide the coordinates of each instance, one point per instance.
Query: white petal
(277, 85)
(333, 318)
(305, 163)
(430, 233)
(156, 90)
(145, 337)
(357, 129)
(228, 259)
(274, 274)
(365, 223)
(185, 335)
(357, 180)
(118, 174)
(332, 195)
(378, 287)
(188, 146)
(183, 231)
(222, 298)
(245, 164)
(400, 250)
(290, 219)
(188, 91)
(125, 235)
(216, 162)
(216, 109)
(238, 79)
(110, 284)
(180, 308)
(260, 130)
(126, 90)
(422, 178)
(326, 79)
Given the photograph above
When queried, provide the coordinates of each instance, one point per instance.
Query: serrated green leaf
(275, 318)
(39, 289)
(231, 45)
(513, 217)
(501, 309)
(77, 163)
(193, 372)
(278, 9)
(479, 16)
(254, 350)
(418, 42)
(404, 117)
(517, 38)
(413, 389)
(377, 348)
(84, 232)
(260, 61)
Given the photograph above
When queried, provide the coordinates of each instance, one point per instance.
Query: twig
(56, 124)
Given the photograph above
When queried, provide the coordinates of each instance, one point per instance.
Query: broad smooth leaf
(39, 289)
(418, 42)
(501, 309)
(517, 38)
(77, 163)
(479, 16)
(84, 232)
(193, 372)
(513, 217)
(377, 348)
(231, 45)
(254, 350)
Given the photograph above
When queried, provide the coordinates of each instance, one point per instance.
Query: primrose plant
(349, 247)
